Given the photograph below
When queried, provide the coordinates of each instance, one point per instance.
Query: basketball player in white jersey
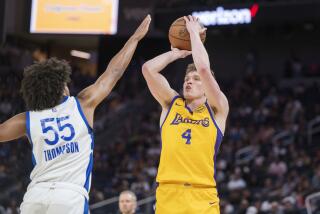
(59, 128)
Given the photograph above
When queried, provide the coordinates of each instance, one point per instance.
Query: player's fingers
(174, 49)
(190, 18)
(186, 19)
(144, 27)
(147, 20)
(196, 19)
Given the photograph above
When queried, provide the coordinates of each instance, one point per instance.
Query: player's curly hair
(43, 83)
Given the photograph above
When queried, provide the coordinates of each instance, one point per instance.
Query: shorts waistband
(62, 185)
(186, 185)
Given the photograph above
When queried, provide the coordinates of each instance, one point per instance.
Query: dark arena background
(266, 59)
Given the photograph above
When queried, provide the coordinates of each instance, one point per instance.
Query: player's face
(192, 86)
(127, 204)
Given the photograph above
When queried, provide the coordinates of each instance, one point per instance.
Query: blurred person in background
(127, 202)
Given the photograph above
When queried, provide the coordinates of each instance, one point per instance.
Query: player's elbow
(203, 69)
(145, 69)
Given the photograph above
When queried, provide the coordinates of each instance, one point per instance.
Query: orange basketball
(179, 36)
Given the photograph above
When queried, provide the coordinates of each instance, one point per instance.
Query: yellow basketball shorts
(186, 199)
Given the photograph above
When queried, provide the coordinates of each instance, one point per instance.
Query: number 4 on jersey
(187, 135)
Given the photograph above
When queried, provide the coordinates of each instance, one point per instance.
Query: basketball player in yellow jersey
(192, 128)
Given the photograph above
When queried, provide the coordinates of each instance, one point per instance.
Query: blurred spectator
(127, 202)
(289, 205)
(236, 182)
(277, 168)
(316, 179)
(141, 185)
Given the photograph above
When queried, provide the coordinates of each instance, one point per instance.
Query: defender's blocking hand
(143, 28)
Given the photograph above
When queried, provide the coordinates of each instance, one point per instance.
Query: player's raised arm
(13, 128)
(91, 96)
(215, 96)
(157, 83)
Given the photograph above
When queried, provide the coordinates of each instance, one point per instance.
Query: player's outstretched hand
(143, 28)
(193, 25)
(180, 53)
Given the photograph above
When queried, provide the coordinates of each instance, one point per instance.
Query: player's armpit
(13, 128)
(221, 112)
(220, 104)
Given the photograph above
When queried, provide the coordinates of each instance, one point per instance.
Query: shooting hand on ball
(193, 25)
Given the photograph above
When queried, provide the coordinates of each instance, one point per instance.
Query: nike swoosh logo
(211, 203)
(178, 104)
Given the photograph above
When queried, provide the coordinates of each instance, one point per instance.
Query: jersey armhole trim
(29, 136)
(90, 129)
(214, 121)
(169, 109)
(28, 126)
(217, 143)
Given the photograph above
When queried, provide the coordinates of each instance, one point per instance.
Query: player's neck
(195, 103)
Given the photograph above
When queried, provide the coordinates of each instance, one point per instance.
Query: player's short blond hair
(192, 68)
(132, 194)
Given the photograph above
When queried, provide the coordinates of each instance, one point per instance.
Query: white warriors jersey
(62, 144)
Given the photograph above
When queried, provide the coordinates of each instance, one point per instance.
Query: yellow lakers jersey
(190, 142)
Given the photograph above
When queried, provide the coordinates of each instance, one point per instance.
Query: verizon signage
(221, 16)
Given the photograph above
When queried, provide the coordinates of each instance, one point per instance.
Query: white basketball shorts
(53, 198)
